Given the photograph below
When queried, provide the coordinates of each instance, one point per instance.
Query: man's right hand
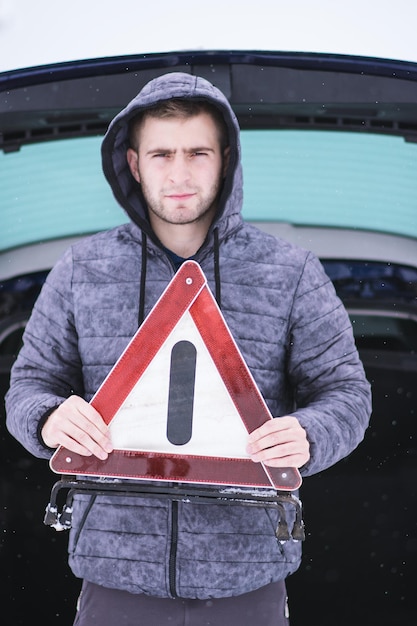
(77, 426)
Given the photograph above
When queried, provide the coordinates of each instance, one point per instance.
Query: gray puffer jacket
(290, 326)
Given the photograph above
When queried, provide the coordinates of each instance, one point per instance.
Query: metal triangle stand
(182, 492)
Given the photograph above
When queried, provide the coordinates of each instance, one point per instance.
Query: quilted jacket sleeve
(333, 396)
(47, 369)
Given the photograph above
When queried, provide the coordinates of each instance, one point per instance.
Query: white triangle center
(141, 421)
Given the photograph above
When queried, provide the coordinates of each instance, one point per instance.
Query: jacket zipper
(173, 551)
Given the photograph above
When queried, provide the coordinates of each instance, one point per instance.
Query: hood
(115, 144)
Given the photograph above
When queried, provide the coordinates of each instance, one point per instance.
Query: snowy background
(34, 32)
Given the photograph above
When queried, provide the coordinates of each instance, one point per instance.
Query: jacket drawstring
(216, 251)
(141, 314)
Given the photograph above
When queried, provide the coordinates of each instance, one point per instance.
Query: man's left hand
(280, 442)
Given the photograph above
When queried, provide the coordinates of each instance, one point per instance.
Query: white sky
(33, 32)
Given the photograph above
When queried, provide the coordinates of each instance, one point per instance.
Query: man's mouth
(180, 196)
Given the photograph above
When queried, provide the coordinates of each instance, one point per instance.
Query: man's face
(180, 166)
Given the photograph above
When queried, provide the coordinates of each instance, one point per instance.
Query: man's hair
(179, 108)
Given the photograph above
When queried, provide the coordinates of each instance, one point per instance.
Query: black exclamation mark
(181, 393)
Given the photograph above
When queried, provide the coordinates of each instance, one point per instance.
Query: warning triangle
(180, 401)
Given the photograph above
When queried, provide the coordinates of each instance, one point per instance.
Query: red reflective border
(188, 290)
(182, 468)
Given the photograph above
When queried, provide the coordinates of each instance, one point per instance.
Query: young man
(172, 158)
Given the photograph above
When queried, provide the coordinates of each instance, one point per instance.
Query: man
(172, 158)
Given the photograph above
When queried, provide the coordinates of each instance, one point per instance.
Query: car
(329, 147)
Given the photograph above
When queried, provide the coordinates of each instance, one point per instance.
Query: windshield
(321, 178)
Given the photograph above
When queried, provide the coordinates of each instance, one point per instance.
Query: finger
(272, 449)
(276, 424)
(281, 442)
(87, 437)
(77, 438)
(91, 426)
(278, 457)
(79, 427)
(296, 460)
(264, 438)
(84, 445)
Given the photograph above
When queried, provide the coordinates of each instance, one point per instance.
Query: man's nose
(180, 168)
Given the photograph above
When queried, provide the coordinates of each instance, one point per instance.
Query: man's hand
(280, 442)
(77, 426)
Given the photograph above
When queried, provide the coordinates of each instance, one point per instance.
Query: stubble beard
(183, 215)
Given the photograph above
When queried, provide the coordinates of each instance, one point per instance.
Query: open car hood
(289, 90)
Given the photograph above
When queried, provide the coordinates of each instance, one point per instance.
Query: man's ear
(132, 160)
(226, 160)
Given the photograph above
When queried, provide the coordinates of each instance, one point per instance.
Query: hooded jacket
(288, 323)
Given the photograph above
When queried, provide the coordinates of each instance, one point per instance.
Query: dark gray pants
(109, 607)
